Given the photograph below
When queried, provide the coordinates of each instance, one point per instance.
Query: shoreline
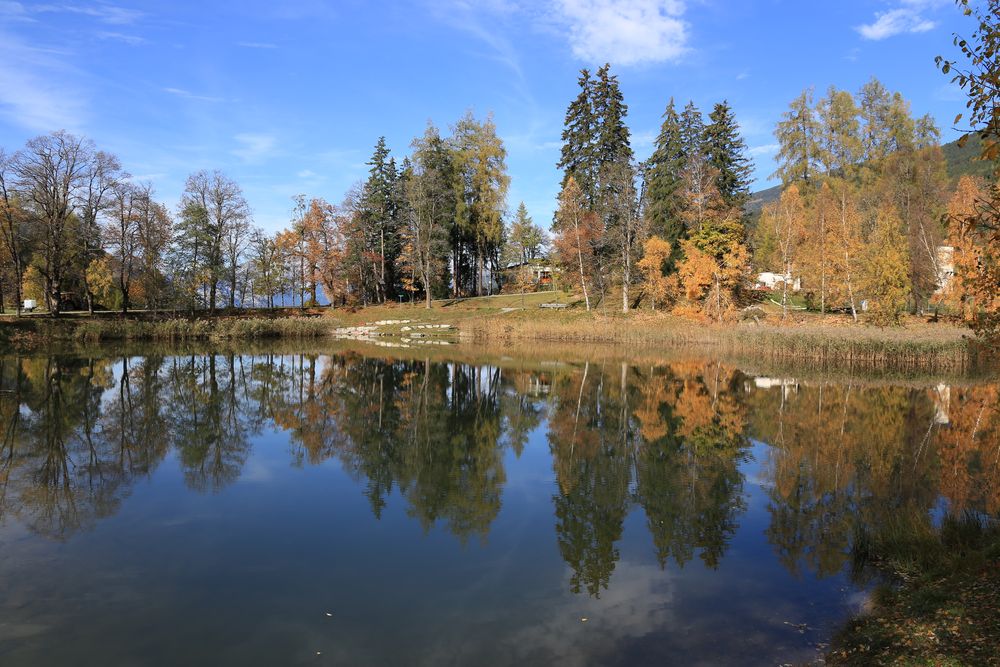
(925, 348)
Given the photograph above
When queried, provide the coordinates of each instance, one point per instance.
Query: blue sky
(289, 97)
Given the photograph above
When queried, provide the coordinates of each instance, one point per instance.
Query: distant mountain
(959, 161)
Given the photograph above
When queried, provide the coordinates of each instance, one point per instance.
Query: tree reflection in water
(671, 439)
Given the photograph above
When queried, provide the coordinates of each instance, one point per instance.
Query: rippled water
(361, 507)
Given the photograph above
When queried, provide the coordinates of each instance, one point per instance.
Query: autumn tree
(102, 177)
(979, 77)
(841, 199)
(958, 293)
(577, 230)
(625, 231)
(839, 140)
(430, 212)
(798, 137)
(883, 279)
(265, 264)
(226, 217)
(189, 255)
(659, 286)
(154, 230)
(13, 232)
(787, 220)
(121, 233)
(481, 200)
(51, 173)
(714, 267)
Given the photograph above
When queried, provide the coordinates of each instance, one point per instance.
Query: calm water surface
(346, 508)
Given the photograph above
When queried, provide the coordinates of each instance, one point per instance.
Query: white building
(772, 281)
(946, 267)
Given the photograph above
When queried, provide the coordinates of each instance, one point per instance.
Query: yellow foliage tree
(33, 284)
(101, 280)
(659, 287)
(714, 269)
(884, 279)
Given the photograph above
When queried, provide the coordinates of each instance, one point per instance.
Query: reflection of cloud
(548, 628)
(637, 602)
(256, 471)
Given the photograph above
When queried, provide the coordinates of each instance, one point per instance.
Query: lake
(334, 504)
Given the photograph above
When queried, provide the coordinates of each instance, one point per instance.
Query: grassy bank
(829, 342)
(941, 605)
(35, 332)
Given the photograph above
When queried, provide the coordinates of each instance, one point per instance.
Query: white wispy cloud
(257, 45)
(14, 11)
(131, 40)
(104, 12)
(625, 32)
(38, 89)
(307, 173)
(254, 147)
(908, 17)
(766, 149)
(187, 94)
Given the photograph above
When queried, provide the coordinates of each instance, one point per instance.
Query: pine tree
(798, 135)
(726, 152)
(610, 111)
(429, 211)
(578, 159)
(526, 239)
(380, 217)
(664, 181)
(692, 130)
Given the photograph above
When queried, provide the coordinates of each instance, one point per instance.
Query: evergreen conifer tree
(664, 180)
(726, 151)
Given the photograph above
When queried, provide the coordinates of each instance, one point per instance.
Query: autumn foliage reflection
(672, 441)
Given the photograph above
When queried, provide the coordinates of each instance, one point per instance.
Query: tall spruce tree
(726, 152)
(380, 213)
(578, 158)
(609, 107)
(664, 179)
(692, 130)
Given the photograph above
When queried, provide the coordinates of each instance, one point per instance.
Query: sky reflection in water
(341, 508)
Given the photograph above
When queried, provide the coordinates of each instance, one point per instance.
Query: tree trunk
(784, 291)
(822, 262)
(579, 256)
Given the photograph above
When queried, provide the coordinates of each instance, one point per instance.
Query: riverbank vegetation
(941, 605)
(869, 229)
